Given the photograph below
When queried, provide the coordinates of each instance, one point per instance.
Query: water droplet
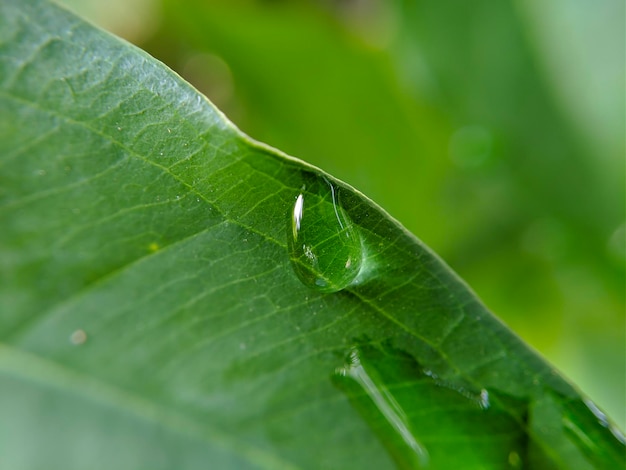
(387, 405)
(483, 399)
(409, 407)
(604, 421)
(324, 247)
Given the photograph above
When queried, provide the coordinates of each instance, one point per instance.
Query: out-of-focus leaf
(150, 315)
(495, 68)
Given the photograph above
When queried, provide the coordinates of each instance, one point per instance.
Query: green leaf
(152, 314)
(451, 166)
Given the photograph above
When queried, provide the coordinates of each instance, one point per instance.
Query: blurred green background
(494, 131)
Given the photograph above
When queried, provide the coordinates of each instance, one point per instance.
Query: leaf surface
(152, 314)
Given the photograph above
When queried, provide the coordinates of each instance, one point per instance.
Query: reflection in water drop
(324, 247)
(385, 402)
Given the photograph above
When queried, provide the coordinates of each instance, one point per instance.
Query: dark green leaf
(371, 92)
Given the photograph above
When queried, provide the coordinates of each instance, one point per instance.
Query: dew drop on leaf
(324, 246)
(410, 453)
(407, 406)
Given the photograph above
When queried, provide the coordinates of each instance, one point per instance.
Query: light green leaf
(153, 316)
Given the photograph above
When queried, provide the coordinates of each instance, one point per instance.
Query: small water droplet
(483, 399)
(324, 247)
(604, 421)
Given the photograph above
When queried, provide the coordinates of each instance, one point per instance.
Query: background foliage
(493, 132)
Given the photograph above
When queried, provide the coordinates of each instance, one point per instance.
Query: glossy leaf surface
(150, 315)
(436, 112)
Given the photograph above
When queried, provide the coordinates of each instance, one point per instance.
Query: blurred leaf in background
(492, 130)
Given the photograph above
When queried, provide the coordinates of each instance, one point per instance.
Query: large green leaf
(176, 295)
(422, 121)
